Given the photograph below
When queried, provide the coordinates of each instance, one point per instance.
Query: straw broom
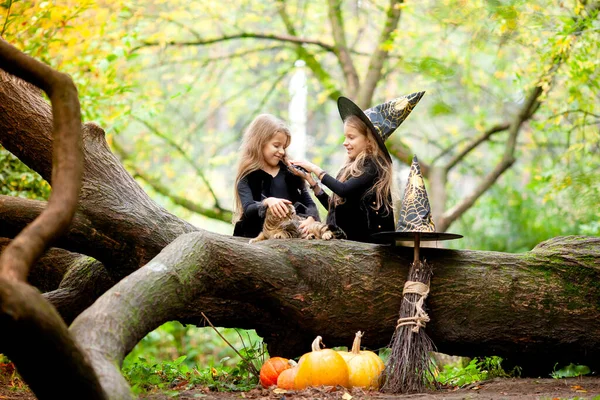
(410, 366)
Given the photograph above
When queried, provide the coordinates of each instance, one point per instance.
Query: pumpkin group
(365, 368)
(271, 370)
(321, 367)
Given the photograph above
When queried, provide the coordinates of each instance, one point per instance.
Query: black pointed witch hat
(415, 215)
(382, 119)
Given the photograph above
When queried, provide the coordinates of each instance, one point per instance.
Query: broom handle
(417, 245)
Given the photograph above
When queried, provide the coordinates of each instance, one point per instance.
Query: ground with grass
(495, 389)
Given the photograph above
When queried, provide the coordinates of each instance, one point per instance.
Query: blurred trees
(510, 86)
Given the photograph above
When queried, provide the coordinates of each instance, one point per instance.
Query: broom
(409, 365)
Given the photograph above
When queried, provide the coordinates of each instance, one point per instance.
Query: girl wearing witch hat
(361, 202)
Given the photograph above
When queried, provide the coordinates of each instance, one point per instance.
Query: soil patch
(496, 389)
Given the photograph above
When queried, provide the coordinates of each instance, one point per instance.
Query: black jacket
(356, 216)
(255, 187)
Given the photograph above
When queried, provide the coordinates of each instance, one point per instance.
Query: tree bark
(48, 271)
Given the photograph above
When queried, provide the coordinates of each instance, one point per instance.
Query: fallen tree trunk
(481, 303)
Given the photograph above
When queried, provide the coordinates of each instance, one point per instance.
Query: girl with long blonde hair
(361, 201)
(263, 180)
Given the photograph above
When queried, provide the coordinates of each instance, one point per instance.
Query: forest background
(174, 84)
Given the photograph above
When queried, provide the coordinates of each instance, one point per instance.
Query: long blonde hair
(382, 188)
(260, 131)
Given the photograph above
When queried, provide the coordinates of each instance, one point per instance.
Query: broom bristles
(409, 366)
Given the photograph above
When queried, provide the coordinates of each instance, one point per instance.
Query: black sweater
(256, 186)
(356, 215)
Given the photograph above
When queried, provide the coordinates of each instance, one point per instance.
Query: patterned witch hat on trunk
(382, 119)
(415, 215)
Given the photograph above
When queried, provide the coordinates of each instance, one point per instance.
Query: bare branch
(402, 152)
(210, 60)
(184, 154)
(341, 48)
(474, 143)
(380, 54)
(214, 213)
(567, 112)
(320, 73)
(154, 17)
(243, 35)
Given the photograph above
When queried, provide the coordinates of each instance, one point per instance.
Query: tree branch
(67, 163)
(474, 143)
(214, 213)
(402, 152)
(341, 47)
(209, 60)
(185, 156)
(31, 328)
(317, 69)
(244, 35)
(365, 95)
(530, 106)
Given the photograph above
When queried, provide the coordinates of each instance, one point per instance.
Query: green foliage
(515, 218)
(571, 371)
(16, 179)
(479, 369)
(176, 357)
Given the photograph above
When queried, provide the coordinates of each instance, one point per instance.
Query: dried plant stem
(409, 366)
(251, 366)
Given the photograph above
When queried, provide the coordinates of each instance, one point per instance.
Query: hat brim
(390, 237)
(347, 107)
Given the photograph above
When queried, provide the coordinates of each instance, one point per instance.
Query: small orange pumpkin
(271, 369)
(321, 367)
(365, 368)
(287, 379)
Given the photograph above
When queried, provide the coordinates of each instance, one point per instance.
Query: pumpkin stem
(356, 343)
(292, 363)
(316, 344)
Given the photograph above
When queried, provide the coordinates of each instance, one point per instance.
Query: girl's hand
(277, 205)
(300, 173)
(310, 167)
(304, 225)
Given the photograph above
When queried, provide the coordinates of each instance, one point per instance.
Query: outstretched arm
(353, 185)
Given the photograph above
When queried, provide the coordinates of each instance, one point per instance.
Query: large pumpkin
(271, 369)
(365, 368)
(321, 367)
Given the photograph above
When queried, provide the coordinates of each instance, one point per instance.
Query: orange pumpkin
(321, 367)
(287, 379)
(271, 369)
(365, 368)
